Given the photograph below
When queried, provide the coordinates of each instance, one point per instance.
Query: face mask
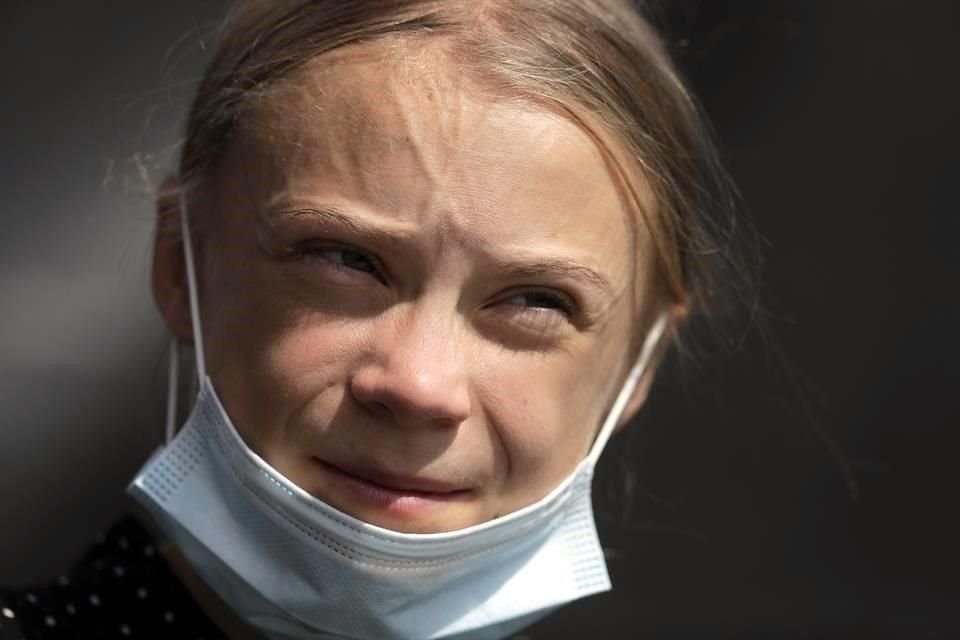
(292, 566)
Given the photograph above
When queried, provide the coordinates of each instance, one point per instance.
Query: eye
(346, 260)
(536, 312)
(530, 318)
(541, 301)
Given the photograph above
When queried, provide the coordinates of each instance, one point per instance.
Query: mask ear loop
(173, 381)
(650, 344)
(192, 290)
(173, 376)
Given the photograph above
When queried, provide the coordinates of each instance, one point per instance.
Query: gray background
(813, 500)
(93, 94)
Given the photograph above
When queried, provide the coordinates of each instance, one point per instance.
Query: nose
(417, 375)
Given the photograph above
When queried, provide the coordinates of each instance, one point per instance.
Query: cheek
(270, 354)
(546, 410)
(303, 359)
(544, 414)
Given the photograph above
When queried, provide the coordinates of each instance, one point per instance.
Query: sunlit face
(416, 296)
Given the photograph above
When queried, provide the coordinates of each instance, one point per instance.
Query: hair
(597, 61)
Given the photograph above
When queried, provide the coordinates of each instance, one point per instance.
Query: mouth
(399, 495)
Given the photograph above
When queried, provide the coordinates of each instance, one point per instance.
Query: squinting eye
(540, 300)
(350, 259)
(343, 259)
(533, 315)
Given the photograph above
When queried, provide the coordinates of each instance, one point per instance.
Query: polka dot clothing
(122, 588)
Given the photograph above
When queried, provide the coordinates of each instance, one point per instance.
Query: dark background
(804, 486)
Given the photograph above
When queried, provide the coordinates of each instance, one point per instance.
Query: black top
(122, 588)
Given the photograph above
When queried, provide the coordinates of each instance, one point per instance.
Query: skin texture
(411, 279)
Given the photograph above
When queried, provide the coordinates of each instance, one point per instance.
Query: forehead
(401, 131)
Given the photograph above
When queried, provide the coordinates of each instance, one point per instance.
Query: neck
(216, 609)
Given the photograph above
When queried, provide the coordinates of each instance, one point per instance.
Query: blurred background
(800, 487)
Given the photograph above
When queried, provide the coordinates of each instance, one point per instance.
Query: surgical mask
(292, 566)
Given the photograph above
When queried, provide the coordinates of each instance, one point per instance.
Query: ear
(677, 313)
(169, 274)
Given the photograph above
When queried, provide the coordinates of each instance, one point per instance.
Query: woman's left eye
(541, 300)
(344, 259)
(533, 314)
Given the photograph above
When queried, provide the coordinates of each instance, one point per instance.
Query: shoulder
(120, 588)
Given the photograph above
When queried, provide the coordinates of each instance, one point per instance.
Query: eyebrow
(554, 267)
(333, 215)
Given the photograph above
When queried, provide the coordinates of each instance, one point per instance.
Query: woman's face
(416, 297)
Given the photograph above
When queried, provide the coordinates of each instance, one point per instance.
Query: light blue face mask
(292, 566)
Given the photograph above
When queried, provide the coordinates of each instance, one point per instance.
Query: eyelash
(549, 301)
(321, 252)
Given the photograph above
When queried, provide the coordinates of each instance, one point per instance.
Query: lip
(401, 495)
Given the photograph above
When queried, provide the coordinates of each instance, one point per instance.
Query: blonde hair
(598, 61)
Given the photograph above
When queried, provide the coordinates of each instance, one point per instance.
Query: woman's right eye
(350, 262)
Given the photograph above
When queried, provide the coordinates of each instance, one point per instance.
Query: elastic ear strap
(192, 289)
(173, 375)
(629, 386)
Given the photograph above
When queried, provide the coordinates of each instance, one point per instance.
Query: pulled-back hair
(597, 61)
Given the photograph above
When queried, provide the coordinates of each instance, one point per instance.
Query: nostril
(446, 423)
(379, 407)
(407, 399)
(368, 395)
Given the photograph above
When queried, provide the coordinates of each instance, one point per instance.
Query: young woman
(428, 254)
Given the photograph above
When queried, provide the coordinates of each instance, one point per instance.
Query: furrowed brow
(332, 215)
(565, 268)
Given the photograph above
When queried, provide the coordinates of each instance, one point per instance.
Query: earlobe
(168, 278)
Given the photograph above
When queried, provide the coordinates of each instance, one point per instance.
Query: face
(416, 297)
